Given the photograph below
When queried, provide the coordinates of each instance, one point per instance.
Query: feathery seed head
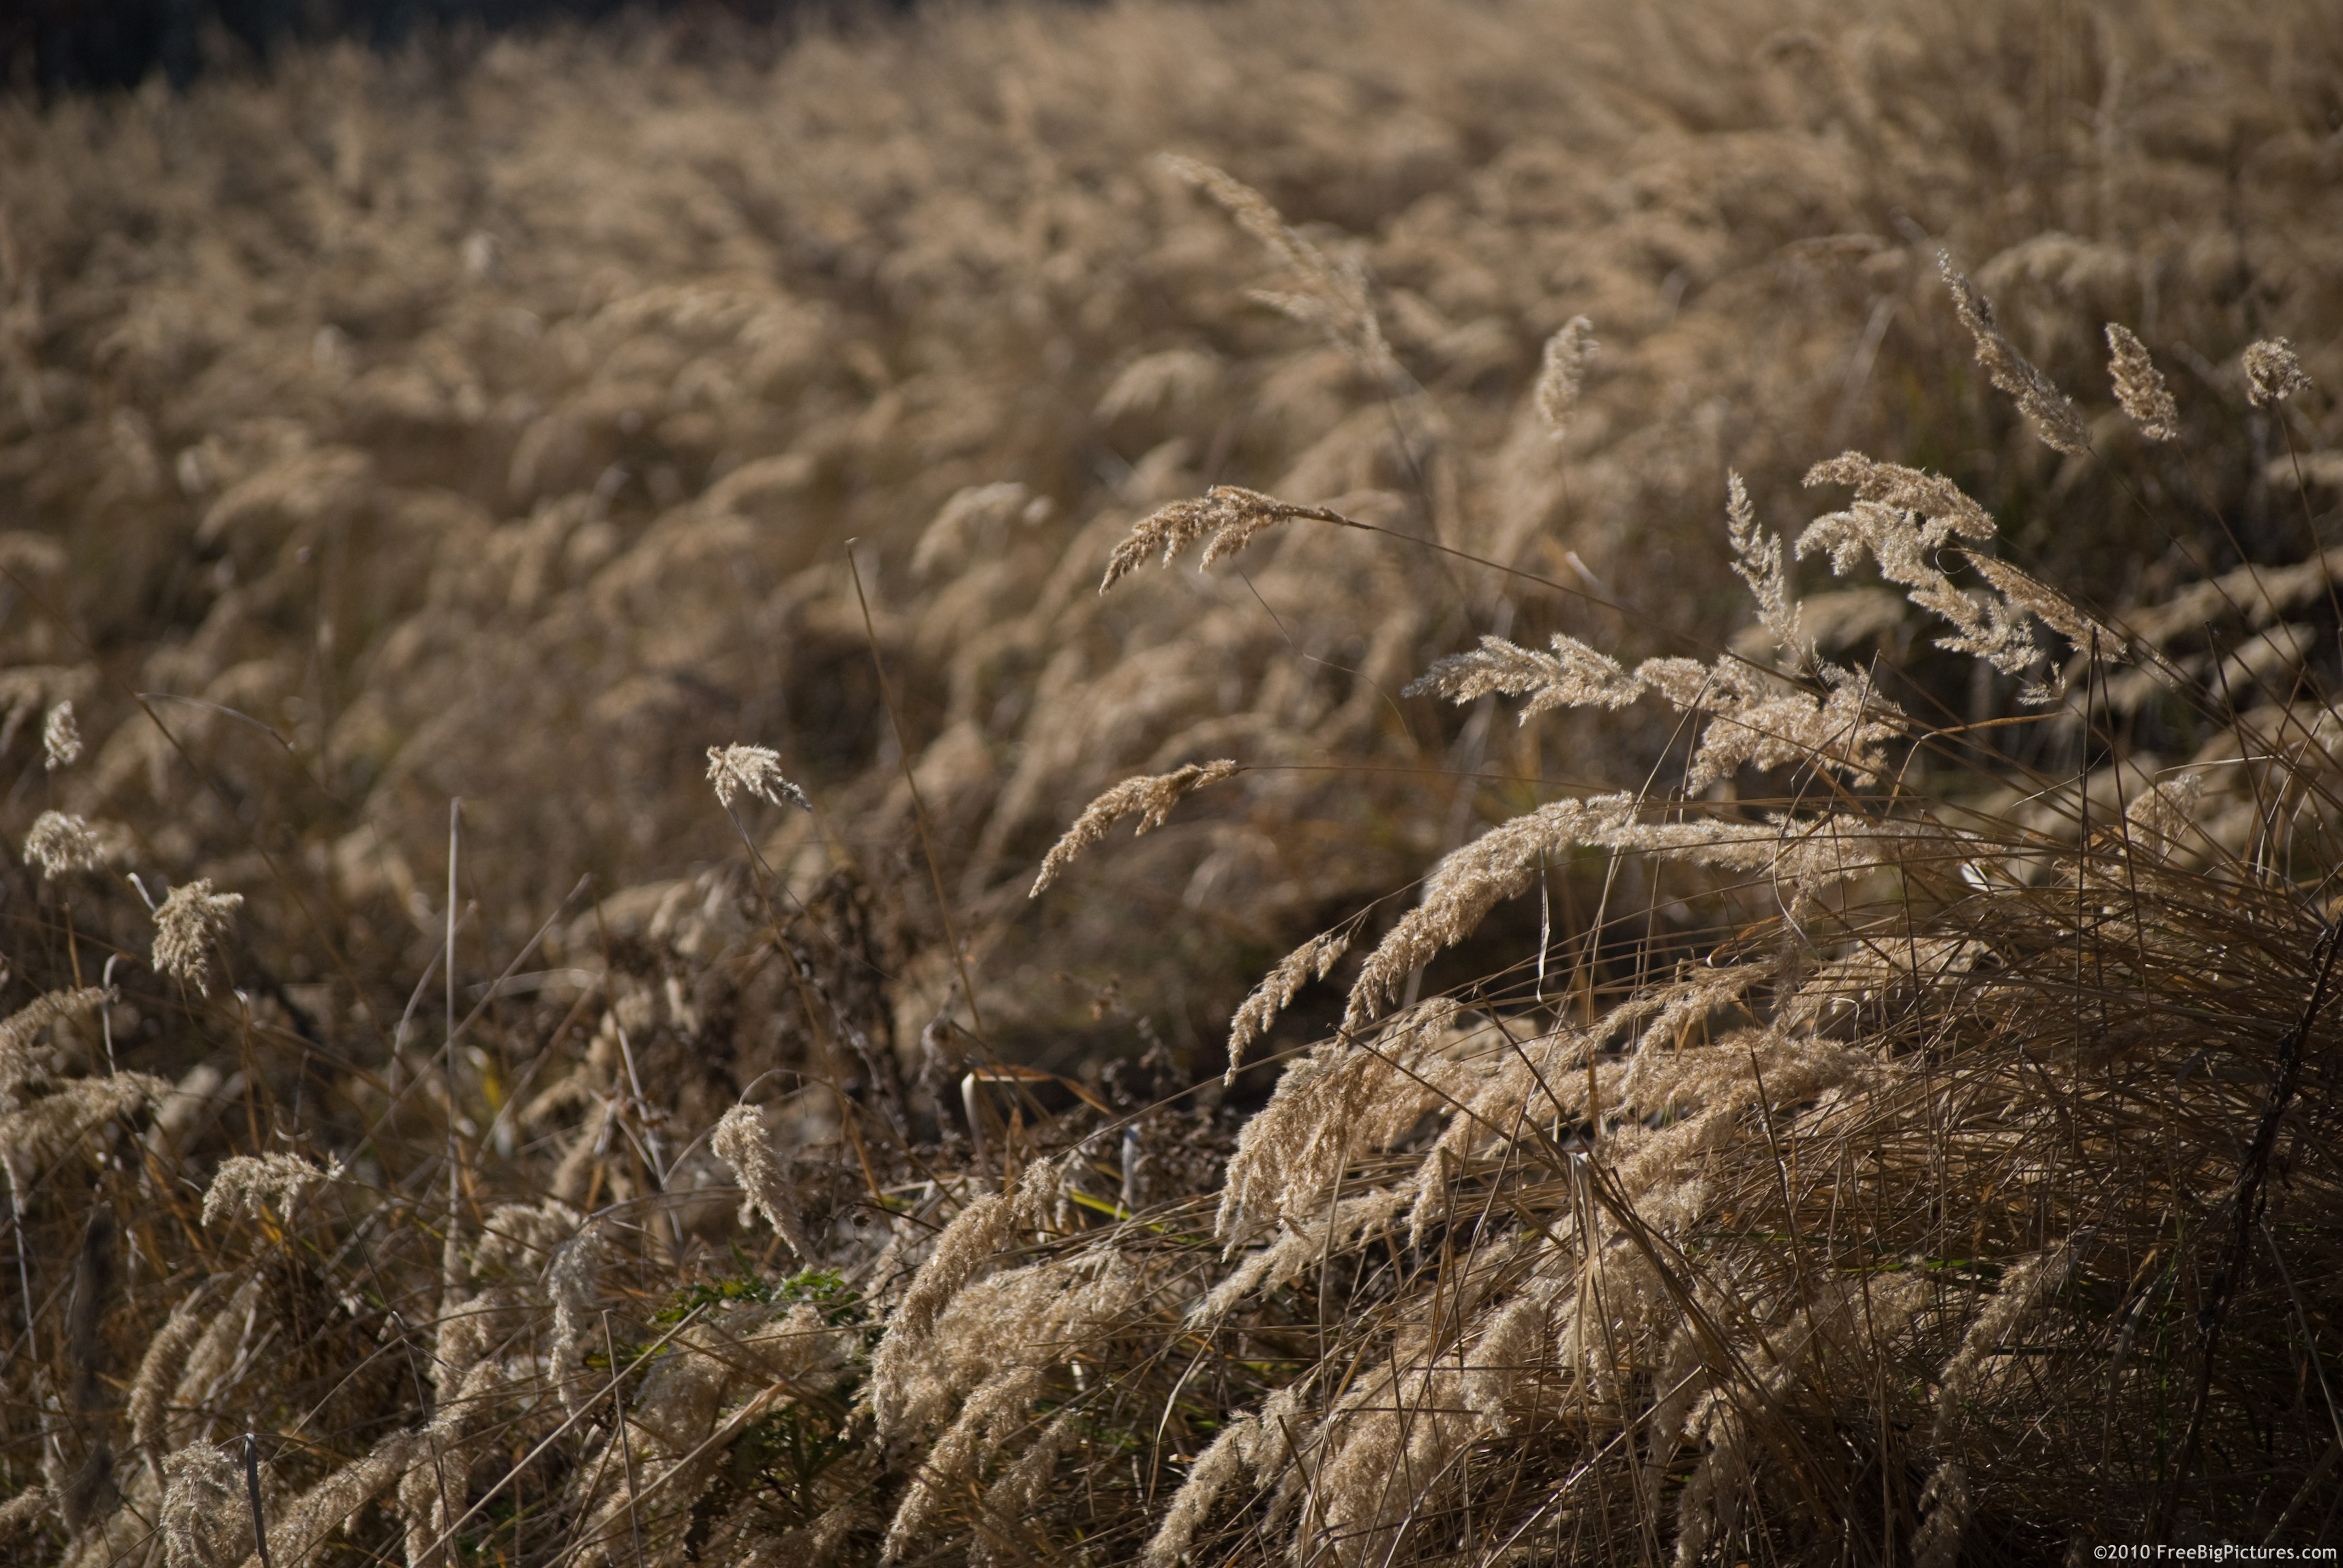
(574, 1281)
(1948, 508)
(736, 770)
(988, 1413)
(1231, 514)
(1152, 796)
(18, 1029)
(1228, 1457)
(977, 510)
(298, 1532)
(1024, 1485)
(185, 925)
(2273, 373)
(1574, 676)
(1567, 353)
(159, 1370)
(1880, 524)
(2024, 1285)
(1946, 1505)
(1758, 562)
(1333, 295)
(61, 842)
(961, 1249)
(2160, 819)
(1753, 720)
(49, 1126)
(1251, 209)
(60, 737)
(744, 1142)
(2056, 420)
(206, 1521)
(2037, 598)
(244, 1183)
(1311, 961)
(2140, 386)
(19, 1511)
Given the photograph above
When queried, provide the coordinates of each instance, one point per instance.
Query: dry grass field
(1716, 618)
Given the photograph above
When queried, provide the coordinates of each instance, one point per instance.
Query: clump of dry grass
(457, 433)
(1870, 1102)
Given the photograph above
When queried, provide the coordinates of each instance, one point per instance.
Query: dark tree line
(52, 47)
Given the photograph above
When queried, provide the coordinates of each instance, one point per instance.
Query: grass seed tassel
(2140, 386)
(2273, 373)
(1151, 796)
(745, 1144)
(186, 924)
(2055, 418)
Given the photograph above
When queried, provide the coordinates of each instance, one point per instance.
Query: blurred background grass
(413, 428)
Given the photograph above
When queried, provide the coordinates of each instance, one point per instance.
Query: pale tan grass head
(1313, 960)
(984, 1421)
(300, 1529)
(1901, 518)
(186, 924)
(964, 1249)
(2054, 417)
(1332, 294)
(1229, 514)
(2140, 386)
(206, 1521)
(22, 1511)
(743, 1142)
(1757, 553)
(2273, 372)
(573, 1280)
(1574, 676)
(246, 1182)
(1816, 1020)
(1562, 372)
(736, 770)
(37, 1129)
(1149, 797)
(61, 745)
(159, 1371)
(21, 1028)
(1946, 1502)
(1230, 1457)
(60, 842)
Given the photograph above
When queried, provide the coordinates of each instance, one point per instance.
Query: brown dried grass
(1900, 1131)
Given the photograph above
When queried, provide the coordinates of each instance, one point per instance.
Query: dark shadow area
(52, 47)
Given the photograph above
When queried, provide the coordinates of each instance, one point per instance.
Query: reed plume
(186, 924)
(1231, 514)
(2054, 417)
(1562, 371)
(242, 1184)
(2273, 372)
(1313, 960)
(2140, 386)
(1149, 797)
(743, 1142)
(59, 842)
(734, 770)
(1332, 293)
(60, 737)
